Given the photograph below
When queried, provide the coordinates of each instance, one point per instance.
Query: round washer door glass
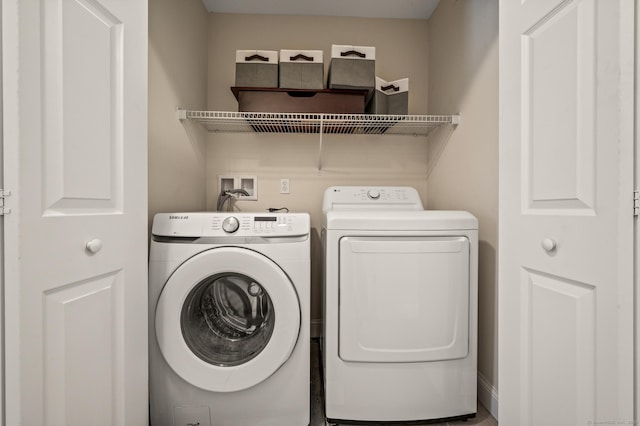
(227, 319)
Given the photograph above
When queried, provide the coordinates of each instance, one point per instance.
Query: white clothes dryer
(229, 319)
(400, 305)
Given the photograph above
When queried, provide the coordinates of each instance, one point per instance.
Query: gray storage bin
(352, 67)
(391, 97)
(301, 69)
(256, 68)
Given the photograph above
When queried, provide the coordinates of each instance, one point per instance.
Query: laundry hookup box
(256, 68)
(301, 69)
(352, 67)
(391, 97)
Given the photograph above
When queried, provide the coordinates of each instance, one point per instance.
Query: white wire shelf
(357, 124)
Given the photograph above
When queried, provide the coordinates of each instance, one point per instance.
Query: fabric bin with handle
(301, 69)
(352, 67)
(391, 97)
(256, 68)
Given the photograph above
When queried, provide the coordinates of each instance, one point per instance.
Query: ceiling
(397, 9)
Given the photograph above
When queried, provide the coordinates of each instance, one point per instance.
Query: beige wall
(463, 77)
(177, 77)
(401, 51)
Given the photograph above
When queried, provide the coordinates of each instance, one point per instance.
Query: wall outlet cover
(284, 186)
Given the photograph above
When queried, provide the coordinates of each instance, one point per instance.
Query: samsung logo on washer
(178, 217)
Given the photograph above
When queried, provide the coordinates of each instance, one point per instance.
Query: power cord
(279, 209)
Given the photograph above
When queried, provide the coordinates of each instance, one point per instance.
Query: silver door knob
(94, 245)
(549, 244)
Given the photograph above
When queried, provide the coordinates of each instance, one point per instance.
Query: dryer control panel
(231, 224)
(374, 197)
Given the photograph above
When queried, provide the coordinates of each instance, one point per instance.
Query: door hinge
(4, 194)
(636, 203)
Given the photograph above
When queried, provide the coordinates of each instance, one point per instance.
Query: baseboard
(488, 395)
(316, 328)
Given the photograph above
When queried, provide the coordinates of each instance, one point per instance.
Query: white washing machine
(400, 307)
(229, 319)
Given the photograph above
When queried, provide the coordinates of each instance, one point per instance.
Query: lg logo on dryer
(178, 217)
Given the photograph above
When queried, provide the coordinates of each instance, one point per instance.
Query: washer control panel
(254, 224)
(231, 224)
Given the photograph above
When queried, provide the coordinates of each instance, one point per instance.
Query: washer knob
(230, 225)
(373, 194)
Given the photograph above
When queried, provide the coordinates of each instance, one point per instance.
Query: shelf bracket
(320, 143)
(181, 113)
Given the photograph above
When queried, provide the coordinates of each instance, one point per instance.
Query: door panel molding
(82, 146)
(558, 112)
(558, 325)
(82, 323)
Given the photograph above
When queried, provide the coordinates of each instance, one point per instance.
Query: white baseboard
(316, 328)
(488, 395)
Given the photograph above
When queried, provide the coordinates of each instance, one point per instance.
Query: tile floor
(483, 418)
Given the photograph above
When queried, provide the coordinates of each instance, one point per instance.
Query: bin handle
(391, 86)
(256, 56)
(301, 56)
(353, 53)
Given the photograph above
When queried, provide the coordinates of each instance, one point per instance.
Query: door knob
(94, 245)
(549, 244)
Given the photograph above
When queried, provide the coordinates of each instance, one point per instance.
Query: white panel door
(566, 222)
(74, 86)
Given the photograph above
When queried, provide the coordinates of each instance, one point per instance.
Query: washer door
(227, 319)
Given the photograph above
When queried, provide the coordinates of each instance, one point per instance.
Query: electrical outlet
(284, 186)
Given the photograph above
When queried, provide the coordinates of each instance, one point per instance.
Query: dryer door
(404, 299)
(227, 319)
